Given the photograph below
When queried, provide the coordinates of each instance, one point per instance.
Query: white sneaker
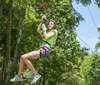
(35, 78)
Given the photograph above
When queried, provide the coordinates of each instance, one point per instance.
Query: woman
(49, 39)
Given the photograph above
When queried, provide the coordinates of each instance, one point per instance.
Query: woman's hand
(43, 27)
(44, 17)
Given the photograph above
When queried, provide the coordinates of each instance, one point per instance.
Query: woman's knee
(23, 57)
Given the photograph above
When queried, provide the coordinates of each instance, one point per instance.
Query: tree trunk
(18, 41)
(1, 8)
(8, 48)
(1, 78)
(14, 63)
(8, 43)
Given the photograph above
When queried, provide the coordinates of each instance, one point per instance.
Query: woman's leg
(25, 59)
(21, 66)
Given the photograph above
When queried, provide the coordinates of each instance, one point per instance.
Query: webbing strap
(49, 44)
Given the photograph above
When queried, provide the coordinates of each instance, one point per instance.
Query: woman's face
(50, 25)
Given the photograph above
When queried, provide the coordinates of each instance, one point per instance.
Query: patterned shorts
(44, 51)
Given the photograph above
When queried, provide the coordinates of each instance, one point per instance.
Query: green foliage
(97, 46)
(90, 70)
(94, 73)
(84, 2)
(98, 3)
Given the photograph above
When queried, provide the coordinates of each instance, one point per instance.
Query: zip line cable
(94, 25)
(84, 42)
(92, 17)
